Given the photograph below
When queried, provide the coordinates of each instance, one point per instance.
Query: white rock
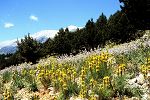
(140, 79)
(89, 92)
(51, 91)
(135, 85)
(145, 86)
(51, 88)
(145, 97)
(148, 75)
(132, 81)
(135, 98)
(72, 98)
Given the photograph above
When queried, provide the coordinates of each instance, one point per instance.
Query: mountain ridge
(10, 46)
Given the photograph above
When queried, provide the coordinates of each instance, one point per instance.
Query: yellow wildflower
(121, 69)
(106, 81)
(144, 69)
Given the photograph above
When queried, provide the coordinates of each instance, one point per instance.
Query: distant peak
(73, 28)
(46, 33)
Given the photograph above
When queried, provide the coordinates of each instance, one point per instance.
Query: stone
(145, 97)
(145, 86)
(132, 81)
(140, 79)
(135, 98)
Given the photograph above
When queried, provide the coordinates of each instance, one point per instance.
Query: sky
(20, 17)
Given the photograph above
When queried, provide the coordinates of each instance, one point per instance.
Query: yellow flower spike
(31, 71)
(102, 57)
(95, 83)
(82, 71)
(53, 74)
(40, 75)
(91, 81)
(74, 73)
(121, 69)
(142, 66)
(98, 57)
(97, 68)
(47, 74)
(148, 61)
(82, 83)
(42, 71)
(90, 65)
(38, 67)
(93, 62)
(64, 86)
(82, 77)
(100, 87)
(144, 69)
(148, 68)
(106, 81)
(122, 65)
(61, 81)
(93, 98)
(24, 71)
(81, 95)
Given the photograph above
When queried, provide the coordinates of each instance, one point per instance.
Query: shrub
(6, 77)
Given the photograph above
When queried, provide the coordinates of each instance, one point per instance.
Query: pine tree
(48, 47)
(62, 43)
(138, 12)
(101, 29)
(29, 49)
(101, 22)
(120, 29)
(90, 34)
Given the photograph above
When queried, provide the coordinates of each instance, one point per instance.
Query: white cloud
(34, 18)
(8, 25)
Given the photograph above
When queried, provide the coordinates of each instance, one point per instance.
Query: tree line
(116, 28)
(138, 12)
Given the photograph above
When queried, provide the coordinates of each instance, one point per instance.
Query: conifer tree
(90, 34)
(29, 49)
(101, 29)
(138, 12)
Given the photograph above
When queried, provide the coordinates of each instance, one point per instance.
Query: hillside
(124, 67)
(106, 58)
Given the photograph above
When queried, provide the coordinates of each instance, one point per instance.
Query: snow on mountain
(41, 36)
(42, 39)
(8, 43)
(8, 49)
(73, 28)
(45, 33)
(10, 46)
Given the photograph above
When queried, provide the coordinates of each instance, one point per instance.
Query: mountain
(73, 28)
(42, 39)
(8, 49)
(10, 46)
(42, 36)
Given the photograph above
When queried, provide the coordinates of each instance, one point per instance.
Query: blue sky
(20, 17)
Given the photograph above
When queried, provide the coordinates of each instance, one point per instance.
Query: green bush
(6, 77)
